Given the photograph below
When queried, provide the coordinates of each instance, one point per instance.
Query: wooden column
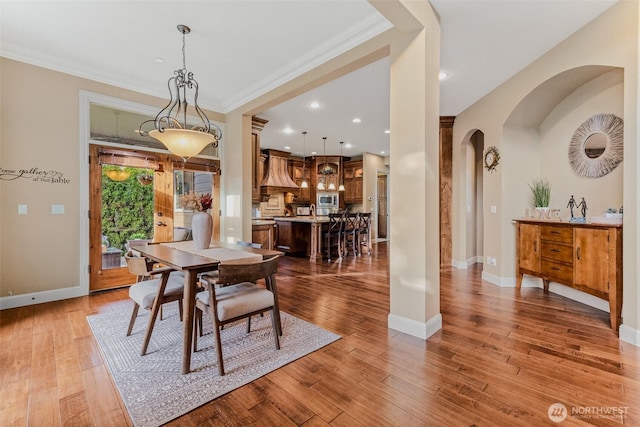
(446, 188)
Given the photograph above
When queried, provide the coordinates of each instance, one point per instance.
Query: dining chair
(364, 232)
(151, 293)
(240, 298)
(333, 235)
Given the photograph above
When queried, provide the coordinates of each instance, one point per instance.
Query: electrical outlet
(491, 260)
(493, 209)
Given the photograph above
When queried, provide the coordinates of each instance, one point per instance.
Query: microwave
(327, 200)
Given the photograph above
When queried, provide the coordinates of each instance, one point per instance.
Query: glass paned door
(127, 212)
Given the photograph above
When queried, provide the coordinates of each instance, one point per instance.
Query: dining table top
(184, 256)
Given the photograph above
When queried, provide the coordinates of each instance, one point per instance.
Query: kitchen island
(297, 234)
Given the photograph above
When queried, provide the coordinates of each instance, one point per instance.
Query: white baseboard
(40, 297)
(463, 265)
(414, 328)
(630, 335)
(503, 282)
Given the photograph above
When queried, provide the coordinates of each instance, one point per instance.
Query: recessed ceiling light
(382, 152)
(442, 75)
(286, 147)
(313, 153)
(387, 131)
(314, 105)
(287, 130)
(348, 145)
(356, 120)
(159, 60)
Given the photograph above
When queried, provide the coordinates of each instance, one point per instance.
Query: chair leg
(160, 312)
(134, 314)
(198, 322)
(180, 308)
(219, 350)
(157, 304)
(248, 324)
(274, 323)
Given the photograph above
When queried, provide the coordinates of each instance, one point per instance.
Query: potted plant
(541, 195)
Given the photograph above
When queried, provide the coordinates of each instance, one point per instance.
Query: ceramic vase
(201, 229)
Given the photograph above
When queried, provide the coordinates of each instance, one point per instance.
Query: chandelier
(170, 125)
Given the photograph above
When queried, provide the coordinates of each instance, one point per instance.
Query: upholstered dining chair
(240, 298)
(153, 288)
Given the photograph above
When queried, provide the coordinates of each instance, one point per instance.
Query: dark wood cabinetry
(353, 173)
(587, 257)
(257, 159)
(301, 171)
(263, 234)
(292, 237)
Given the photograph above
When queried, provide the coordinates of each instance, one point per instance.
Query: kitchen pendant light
(304, 183)
(321, 182)
(170, 125)
(341, 187)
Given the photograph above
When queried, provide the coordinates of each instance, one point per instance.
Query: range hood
(277, 179)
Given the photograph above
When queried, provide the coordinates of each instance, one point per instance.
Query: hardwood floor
(501, 359)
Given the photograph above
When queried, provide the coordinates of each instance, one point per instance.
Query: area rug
(152, 386)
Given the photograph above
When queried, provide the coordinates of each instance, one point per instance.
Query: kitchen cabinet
(586, 257)
(263, 232)
(292, 237)
(353, 173)
(257, 159)
(327, 170)
(301, 171)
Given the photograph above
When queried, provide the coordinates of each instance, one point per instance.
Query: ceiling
(239, 50)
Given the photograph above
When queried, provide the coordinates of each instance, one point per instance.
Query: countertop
(263, 222)
(308, 219)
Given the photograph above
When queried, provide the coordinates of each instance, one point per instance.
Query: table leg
(189, 305)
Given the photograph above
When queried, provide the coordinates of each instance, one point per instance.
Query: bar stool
(350, 234)
(364, 232)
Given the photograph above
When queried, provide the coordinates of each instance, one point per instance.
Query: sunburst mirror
(596, 147)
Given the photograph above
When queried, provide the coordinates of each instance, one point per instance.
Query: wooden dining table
(182, 256)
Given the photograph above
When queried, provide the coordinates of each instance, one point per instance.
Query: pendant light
(118, 174)
(170, 125)
(304, 183)
(340, 171)
(321, 182)
(332, 186)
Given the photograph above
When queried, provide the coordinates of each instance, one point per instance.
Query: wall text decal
(35, 174)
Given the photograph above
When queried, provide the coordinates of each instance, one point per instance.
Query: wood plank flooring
(501, 359)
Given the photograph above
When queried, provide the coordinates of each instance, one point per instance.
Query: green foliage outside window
(127, 208)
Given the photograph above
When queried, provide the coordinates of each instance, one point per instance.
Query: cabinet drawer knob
(555, 250)
(578, 253)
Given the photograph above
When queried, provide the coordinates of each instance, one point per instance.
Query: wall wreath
(596, 147)
(491, 158)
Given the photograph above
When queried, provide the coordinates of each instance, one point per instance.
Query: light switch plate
(57, 209)
(22, 209)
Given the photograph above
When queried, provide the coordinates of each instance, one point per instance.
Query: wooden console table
(586, 257)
